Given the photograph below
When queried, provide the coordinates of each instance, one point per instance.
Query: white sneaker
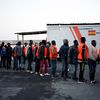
(36, 73)
(80, 82)
(27, 70)
(41, 75)
(47, 74)
(31, 72)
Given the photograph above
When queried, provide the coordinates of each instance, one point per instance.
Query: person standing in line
(43, 58)
(36, 59)
(9, 55)
(53, 58)
(73, 59)
(48, 57)
(63, 53)
(18, 55)
(93, 54)
(30, 55)
(3, 55)
(24, 54)
(82, 58)
(14, 58)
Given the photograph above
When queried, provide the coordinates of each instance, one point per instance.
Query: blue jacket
(63, 52)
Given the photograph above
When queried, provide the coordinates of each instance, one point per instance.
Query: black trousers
(30, 61)
(3, 61)
(8, 61)
(92, 69)
(37, 65)
(81, 73)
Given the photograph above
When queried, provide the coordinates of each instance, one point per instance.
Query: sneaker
(47, 74)
(80, 82)
(93, 82)
(31, 72)
(41, 75)
(27, 71)
(53, 77)
(36, 73)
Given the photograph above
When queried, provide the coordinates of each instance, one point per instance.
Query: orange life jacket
(37, 52)
(80, 47)
(53, 52)
(45, 52)
(25, 51)
(14, 54)
(99, 53)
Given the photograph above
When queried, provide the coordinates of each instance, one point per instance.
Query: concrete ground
(25, 86)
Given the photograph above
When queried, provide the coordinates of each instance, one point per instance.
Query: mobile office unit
(58, 32)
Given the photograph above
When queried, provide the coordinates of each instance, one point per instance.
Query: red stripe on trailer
(72, 32)
(78, 34)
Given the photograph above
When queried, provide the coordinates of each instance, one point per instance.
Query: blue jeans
(92, 69)
(73, 70)
(53, 67)
(64, 73)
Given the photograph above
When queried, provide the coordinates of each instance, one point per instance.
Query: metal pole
(22, 39)
(17, 37)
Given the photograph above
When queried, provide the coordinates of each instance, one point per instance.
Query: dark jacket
(73, 55)
(63, 52)
(9, 51)
(42, 51)
(30, 53)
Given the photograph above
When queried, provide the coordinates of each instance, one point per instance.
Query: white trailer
(58, 32)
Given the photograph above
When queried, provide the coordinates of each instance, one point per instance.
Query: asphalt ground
(25, 86)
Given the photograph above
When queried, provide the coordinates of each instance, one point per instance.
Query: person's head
(65, 41)
(40, 43)
(48, 44)
(25, 43)
(83, 39)
(75, 43)
(30, 42)
(53, 42)
(93, 42)
(8, 44)
(3, 43)
(36, 44)
(19, 43)
(44, 42)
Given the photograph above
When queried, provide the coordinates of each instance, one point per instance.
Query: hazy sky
(33, 15)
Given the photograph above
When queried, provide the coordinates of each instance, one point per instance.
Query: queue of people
(45, 55)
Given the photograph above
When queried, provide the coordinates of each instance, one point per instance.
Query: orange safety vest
(53, 52)
(45, 52)
(37, 52)
(99, 53)
(80, 51)
(14, 54)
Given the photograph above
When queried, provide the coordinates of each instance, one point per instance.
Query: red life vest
(25, 51)
(45, 52)
(53, 52)
(37, 52)
(99, 53)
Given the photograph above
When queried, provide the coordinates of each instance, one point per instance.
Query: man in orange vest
(43, 58)
(53, 58)
(36, 59)
(24, 54)
(82, 57)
